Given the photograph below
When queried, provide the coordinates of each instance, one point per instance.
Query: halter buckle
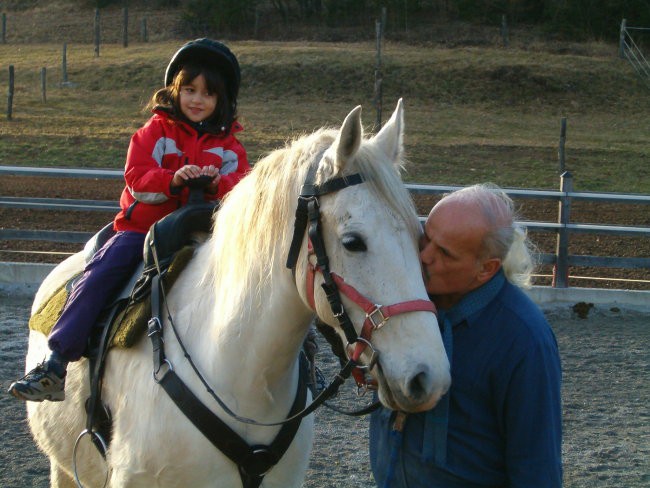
(340, 313)
(154, 326)
(377, 317)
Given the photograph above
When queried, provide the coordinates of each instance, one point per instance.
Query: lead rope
(396, 438)
(439, 428)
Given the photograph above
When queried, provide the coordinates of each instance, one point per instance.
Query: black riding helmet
(207, 51)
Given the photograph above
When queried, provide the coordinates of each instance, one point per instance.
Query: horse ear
(391, 137)
(349, 138)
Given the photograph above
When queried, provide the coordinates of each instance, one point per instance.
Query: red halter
(376, 316)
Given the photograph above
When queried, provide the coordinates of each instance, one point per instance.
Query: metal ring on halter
(74, 454)
(169, 368)
(374, 356)
(362, 390)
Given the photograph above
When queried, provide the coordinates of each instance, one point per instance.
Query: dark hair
(168, 98)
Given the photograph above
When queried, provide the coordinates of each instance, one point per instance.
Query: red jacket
(157, 150)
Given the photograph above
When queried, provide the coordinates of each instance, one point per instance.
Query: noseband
(308, 212)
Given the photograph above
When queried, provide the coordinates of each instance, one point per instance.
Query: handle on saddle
(197, 186)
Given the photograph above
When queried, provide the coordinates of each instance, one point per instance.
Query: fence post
(43, 85)
(64, 64)
(378, 75)
(504, 31)
(143, 30)
(96, 33)
(10, 94)
(561, 268)
(621, 39)
(560, 151)
(4, 28)
(125, 27)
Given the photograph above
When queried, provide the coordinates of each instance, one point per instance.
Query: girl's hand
(212, 171)
(185, 173)
(191, 171)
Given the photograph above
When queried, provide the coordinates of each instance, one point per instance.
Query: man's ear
(489, 268)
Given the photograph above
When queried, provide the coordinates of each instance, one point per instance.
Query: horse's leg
(59, 478)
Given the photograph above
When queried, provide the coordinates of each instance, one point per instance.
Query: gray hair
(505, 239)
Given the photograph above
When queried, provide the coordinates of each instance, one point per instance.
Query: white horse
(243, 315)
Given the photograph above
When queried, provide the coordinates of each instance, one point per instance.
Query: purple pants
(104, 275)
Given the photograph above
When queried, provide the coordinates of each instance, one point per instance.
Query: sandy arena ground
(606, 393)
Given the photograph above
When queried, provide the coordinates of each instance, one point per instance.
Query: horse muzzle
(419, 391)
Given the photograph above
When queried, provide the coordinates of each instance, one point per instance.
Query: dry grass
(472, 113)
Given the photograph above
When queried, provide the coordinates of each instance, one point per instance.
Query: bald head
(491, 206)
(469, 235)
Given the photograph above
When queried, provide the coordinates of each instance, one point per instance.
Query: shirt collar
(474, 301)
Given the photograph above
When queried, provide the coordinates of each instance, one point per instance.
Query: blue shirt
(505, 413)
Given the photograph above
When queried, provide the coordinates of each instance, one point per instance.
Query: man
(500, 424)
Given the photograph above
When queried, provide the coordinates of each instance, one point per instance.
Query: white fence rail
(563, 228)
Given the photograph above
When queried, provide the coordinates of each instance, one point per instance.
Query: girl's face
(196, 101)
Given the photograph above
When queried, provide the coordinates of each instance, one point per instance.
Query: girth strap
(253, 462)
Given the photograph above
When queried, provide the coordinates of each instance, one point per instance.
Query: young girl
(190, 134)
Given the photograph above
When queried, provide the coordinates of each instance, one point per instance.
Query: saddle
(172, 240)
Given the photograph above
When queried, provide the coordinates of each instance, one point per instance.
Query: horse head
(365, 246)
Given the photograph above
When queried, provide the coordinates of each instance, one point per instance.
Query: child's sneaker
(41, 383)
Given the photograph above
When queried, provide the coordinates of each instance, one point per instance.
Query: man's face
(450, 250)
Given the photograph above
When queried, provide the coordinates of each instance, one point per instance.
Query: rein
(255, 461)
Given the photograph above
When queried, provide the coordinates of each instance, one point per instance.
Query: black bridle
(308, 212)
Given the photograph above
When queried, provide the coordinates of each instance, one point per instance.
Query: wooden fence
(112, 26)
(563, 228)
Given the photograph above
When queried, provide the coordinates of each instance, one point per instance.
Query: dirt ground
(533, 210)
(606, 391)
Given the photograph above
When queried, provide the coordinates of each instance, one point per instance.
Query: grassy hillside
(472, 113)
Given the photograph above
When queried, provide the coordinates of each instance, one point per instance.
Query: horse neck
(273, 329)
(255, 334)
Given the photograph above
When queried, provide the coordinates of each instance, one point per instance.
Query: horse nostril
(418, 386)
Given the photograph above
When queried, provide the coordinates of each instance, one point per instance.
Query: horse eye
(354, 243)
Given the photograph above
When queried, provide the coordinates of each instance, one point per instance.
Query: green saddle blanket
(130, 323)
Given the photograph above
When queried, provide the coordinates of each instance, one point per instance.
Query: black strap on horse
(194, 218)
(308, 212)
(254, 461)
(98, 418)
(325, 394)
